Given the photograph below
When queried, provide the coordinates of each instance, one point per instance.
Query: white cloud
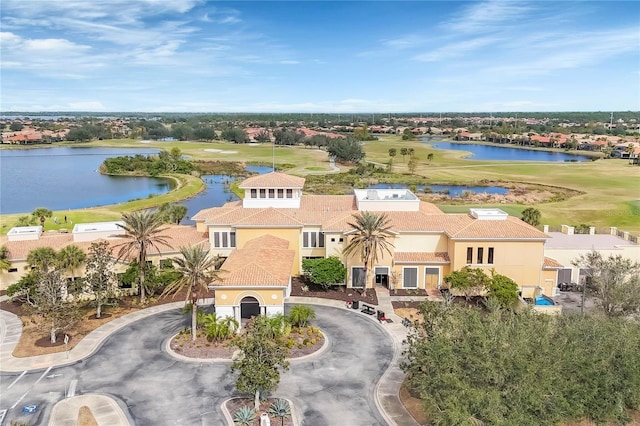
(455, 49)
(409, 41)
(488, 16)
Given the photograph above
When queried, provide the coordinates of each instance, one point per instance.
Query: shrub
(300, 315)
(245, 416)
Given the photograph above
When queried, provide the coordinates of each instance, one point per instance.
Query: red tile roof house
(23, 138)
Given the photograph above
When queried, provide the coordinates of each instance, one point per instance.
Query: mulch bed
(408, 292)
(45, 342)
(235, 404)
(201, 348)
(340, 293)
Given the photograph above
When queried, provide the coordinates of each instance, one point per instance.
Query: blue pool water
(543, 301)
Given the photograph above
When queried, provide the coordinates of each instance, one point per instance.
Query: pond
(67, 178)
(450, 190)
(506, 153)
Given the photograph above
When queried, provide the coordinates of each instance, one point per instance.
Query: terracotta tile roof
(258, 264)
(510, 228)
(269, 217)
(267, 241)
(421, 257)
(551, 263)
(18, 250)
(176, 235)
(273, 180)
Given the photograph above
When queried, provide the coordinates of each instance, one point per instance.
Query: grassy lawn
(611, 187)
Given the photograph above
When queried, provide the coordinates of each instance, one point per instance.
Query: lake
(450, 190)
(67, 178)
(506, 153)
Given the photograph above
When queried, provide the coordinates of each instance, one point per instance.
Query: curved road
(335, 387)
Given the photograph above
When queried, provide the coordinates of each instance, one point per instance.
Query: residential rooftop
(560, 240)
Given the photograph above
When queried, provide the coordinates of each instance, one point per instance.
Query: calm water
(67, 178)
(451, 190)
(505, 153)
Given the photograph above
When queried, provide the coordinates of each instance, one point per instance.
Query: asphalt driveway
(334, 388)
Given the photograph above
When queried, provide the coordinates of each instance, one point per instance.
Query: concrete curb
(85, 348)
(105, 410)
(385, 393)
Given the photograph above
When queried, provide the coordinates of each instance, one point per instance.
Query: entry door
(382, 276)
(249, 307)
(432, 278)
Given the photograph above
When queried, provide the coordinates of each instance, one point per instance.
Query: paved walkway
(386, 392)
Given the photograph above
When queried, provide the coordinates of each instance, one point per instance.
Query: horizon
(317, 57)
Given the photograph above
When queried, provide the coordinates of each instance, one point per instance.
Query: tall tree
(42, 213)
(613, 281)
(412, 164)
(70, 258)
(51, 303)
(262, 359)
(143, 231)
(100, 278)
(197, 270)
(369, 239)
(42, 258)
(5, 263)
(531, 216)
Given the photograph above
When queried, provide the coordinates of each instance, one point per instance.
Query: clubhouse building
(265, 236)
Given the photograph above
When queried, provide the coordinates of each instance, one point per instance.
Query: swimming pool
(542, 300)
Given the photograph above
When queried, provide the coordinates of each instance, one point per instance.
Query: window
(469, 254)
(289, 193)
(564, 276)
(224, 239)
(12, 270)
(280, 193)
(410, 277)
(341, 240)
(272, 193)
(312, 239)
(490, 255)
(254, 193)
(357, 277)
(263, 193)
(480, 255)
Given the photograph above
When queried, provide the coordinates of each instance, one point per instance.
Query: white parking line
(32, 386)
(16, 380)
(19, 399)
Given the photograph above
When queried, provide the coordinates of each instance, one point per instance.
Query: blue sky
(302, 56)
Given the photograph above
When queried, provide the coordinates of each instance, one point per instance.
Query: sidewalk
(387, 389)
(105, 411)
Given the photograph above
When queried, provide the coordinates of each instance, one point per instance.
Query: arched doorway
(249, 307)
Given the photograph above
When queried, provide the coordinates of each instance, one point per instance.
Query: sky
(319, 56)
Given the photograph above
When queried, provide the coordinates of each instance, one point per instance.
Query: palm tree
(369, 238)
(5, 263)
(42, 214)
(196, 270)
(41, 259)
(218, 329)
(70, 258)
(300, 315)
(143, 230)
